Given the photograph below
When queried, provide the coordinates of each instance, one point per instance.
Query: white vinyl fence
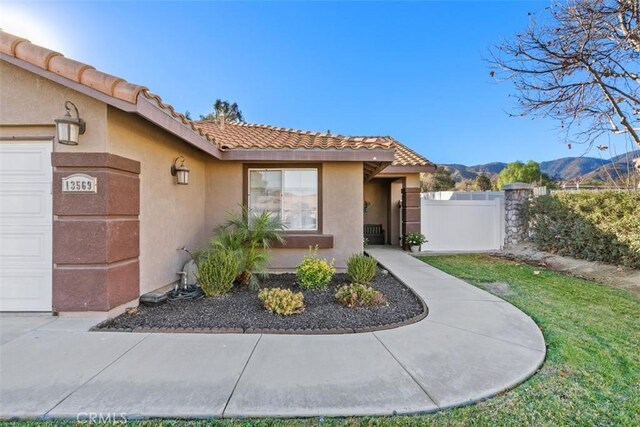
(451, 223)
(463, 195)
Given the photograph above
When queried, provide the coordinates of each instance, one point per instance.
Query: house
(90, 227)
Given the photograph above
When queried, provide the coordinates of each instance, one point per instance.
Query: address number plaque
(79, 183)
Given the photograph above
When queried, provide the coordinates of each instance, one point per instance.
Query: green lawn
(592, 372)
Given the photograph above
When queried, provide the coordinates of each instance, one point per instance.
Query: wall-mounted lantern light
(180, 172)
(69, 128)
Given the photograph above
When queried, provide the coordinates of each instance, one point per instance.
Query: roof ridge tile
(177, 115)
(86, 75)
(268, 137)
(79, 72)
(9, 42)
(34, 54)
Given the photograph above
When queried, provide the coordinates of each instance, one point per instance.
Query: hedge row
(596, 226)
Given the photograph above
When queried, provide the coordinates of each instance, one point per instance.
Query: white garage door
(25, 226)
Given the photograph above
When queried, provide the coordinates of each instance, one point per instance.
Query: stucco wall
(396, 197)
(224, 192)
(400, 181)
(410, 180)
(171, 215)
(413, 180)
(29, 104)
(376, 192)
(342, 197)
(342, 208)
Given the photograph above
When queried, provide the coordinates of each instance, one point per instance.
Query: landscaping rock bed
(242, 312)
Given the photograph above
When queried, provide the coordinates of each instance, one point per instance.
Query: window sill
(297, 241)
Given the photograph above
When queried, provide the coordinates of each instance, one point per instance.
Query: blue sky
(412, 70)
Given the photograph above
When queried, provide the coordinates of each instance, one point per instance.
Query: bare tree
(581, 67)
(440, 180)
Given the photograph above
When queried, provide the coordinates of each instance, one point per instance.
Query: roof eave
(150, 111)
(324, 154)
(79, 87)
(395, 169)
(144, 107)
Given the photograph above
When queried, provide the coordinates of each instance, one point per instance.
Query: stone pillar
(96, 235)
(410, 210)
(515, 195)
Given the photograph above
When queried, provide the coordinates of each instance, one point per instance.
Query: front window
(290, 195)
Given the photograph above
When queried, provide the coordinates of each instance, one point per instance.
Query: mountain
(626, 156)
(571, 167)
(616, 168)
(564, 169)
(460, 172)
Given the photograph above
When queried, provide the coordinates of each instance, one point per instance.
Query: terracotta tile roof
(252, 136)
(86, 75)
(264, 137)
(73, 70)
(407, 157)
(231, 136)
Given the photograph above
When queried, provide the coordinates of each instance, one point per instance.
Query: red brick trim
(96, 237)
(296, 241)
(410, 190)
(95, 160)
(95, 241)
(411, 210)
(118, 193)
(409, 169)
(411, 215)
(95, 288)
(411, 200)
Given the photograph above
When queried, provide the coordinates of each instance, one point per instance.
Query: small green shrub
(358, 295)
(361, 268)
(282, 301)
(596, 226)
(314, 273)
(217, 270)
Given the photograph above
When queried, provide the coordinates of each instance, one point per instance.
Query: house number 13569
(79, 183)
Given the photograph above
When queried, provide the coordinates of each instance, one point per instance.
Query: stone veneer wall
(515, 195)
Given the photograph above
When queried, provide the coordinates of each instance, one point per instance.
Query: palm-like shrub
(250, 236)
(361, 268)
(217, 270)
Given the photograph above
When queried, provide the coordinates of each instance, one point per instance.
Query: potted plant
(414, 241)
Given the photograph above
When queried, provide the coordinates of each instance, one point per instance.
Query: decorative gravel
(241, 311)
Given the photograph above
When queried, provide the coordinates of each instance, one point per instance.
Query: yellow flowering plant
(282, 301)
(314, 273)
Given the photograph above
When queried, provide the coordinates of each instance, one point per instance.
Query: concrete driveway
(471, 346)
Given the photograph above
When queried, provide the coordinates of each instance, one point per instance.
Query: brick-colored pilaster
(96, 237)
(410, 210)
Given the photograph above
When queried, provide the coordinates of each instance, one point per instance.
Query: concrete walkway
(470, 347)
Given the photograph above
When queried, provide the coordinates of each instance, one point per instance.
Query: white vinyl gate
(25, 226)
(462, 225)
